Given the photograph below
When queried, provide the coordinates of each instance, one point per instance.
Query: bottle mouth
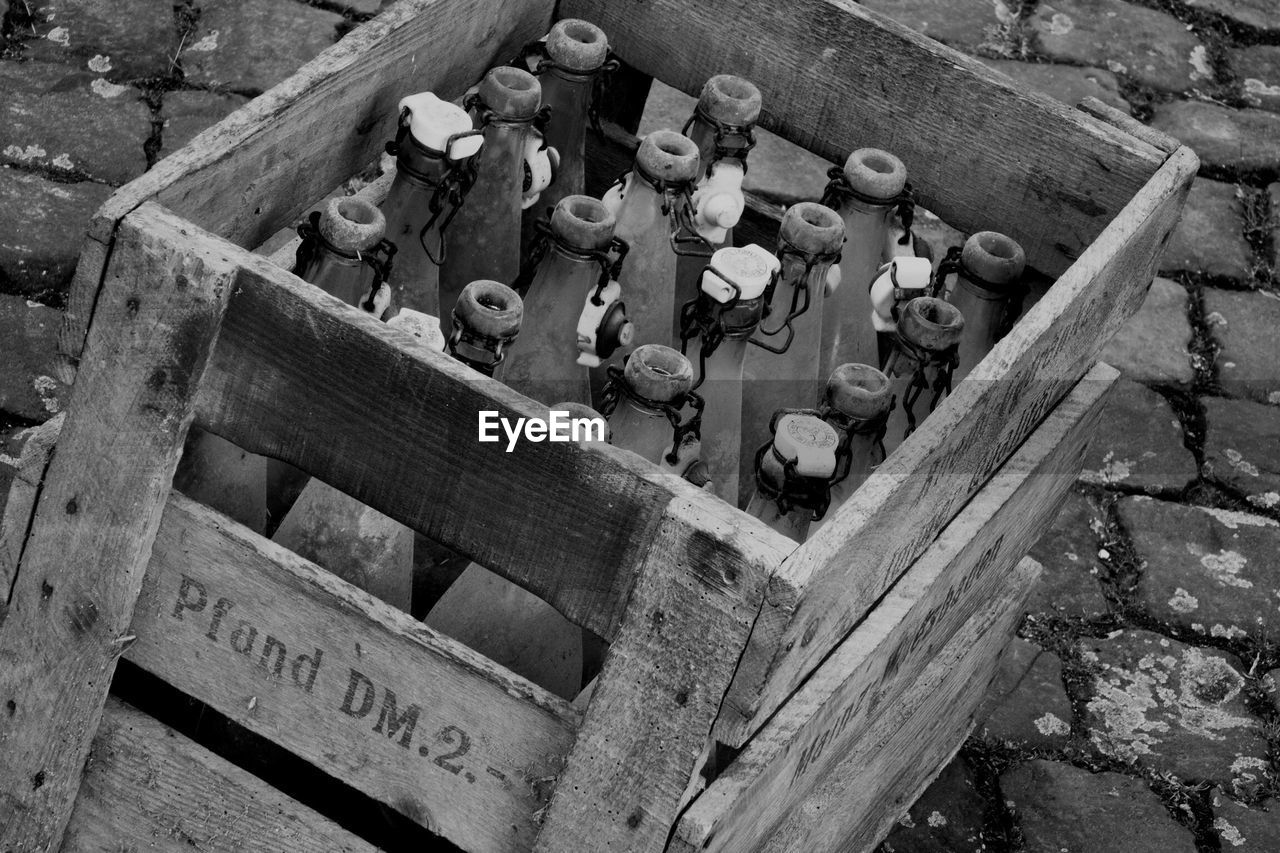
(658, 372)
(859, 391)
(993, 257)
(577, 45)
(490, 308)
(583, 222)
(351, 224)
(668, 156)
(875, 173)
(730, 99)
(813, 228)
(511, 92)
(931, 323)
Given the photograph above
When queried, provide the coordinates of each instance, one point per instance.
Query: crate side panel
(662, 682)
(97, 513)
(966, 567)
(301, 377)
(364, 692)
(910, 740)
(981, 152)
(148, 788)
(828, 584)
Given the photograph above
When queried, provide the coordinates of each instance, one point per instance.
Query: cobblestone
(1152, 345)
(1171, 707)
(1061, 807)
(121, 39)
(1230, 139)
(1241, 829)
(1210, 236)
(1244, 327)
(1151, 47)
(1066, 83)
(959, 23)
(1027, 703)
(1139, 443)
(1211, 571)
(1240, 449)
(1069, 554)
(946, 819)
(41, 225)
(54, 120)
(187, 113)
(250, 45)
(1252, 13)
(29, 332)
(1258, 68)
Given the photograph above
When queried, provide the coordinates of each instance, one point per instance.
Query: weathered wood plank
(1105, 112)
(419, 461)
(361, 690)
(148, 788)
(664, 678)
(866, 793)
(836, 76)
(98, 511)
(967, 566)
(20, 507)
(827, 586)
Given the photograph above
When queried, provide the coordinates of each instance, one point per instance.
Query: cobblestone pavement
(1138, 709)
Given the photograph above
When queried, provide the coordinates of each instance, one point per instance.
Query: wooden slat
(18, 509)
(827, 586)
(967, 566)
(901, 752)
(569, 523)
(252, 173)
(361, 690)
(662, 683)
(1158, 139)
(836, 76)
(98, 511)
(147, 787)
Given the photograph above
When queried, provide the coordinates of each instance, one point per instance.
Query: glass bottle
(988, 290)
(809, 248)
(484, 242)
(866, 192)
(570, 274)
(793, 473)
(651, 205)
(857, 402)
(645, 401)
(921, 363)
(435, 154)
(485, 321)
(722, 318)
(723, 128)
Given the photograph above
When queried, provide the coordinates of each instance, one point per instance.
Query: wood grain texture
(356, 687)
(91, 266)
(1157, 139)
(569, 523)
(20, 506)
(662, 682)
(826, 587)
(911, 739)
(98, 511)
(146, 787)
(836, 76)
(967, 566)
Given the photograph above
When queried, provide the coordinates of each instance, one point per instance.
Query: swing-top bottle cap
(351, 224)
(812, 228)
(665, 155)
(432, 121)
(931, 323)
(809, 442)
(875, 173)
(489, 308)
(658, 372)
(750, 268)
(578, 411)
(511, 92)
(730, 99)
(993, 257)
(583, 222)
(859, 391)
(577, 45)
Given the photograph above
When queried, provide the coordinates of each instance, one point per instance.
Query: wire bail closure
(379, 258)
(799, 292)
(682, 432)
(798, 491)
(535, 57)
(723, 131)
(953, 264)
(839, 189)
(677, 206)
(945, 361)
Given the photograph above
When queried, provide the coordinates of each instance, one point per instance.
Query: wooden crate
(846, 669)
